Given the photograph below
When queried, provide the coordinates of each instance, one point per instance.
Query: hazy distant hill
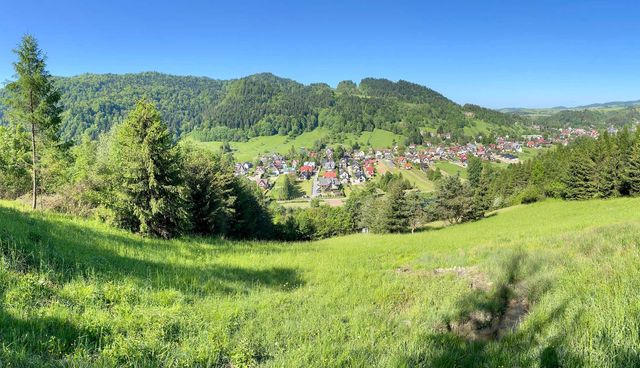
(597, 115)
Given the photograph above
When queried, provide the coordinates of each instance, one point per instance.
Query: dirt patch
(481, 324)
(484, 326)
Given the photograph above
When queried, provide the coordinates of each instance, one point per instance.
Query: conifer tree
(148, 188)
(581, 174)
(395, 212)
(417, 214)
(474, 171)
(34, 104)
(631, 172)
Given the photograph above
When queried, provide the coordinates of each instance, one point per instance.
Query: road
(315, 187)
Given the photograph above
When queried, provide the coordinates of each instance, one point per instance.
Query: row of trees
(586, 169)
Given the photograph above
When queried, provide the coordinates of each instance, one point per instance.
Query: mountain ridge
(260, 104)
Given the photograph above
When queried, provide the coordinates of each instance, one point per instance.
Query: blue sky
(532, 53)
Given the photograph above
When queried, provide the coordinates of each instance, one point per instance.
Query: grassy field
(77, 293)
(416, 177)
(479, 127)
(248, 151)
(379, 138)
(452, 169)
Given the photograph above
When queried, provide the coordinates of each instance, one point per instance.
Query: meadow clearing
(78, 293)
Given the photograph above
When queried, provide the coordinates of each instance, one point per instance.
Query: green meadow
(250, 150)
(415, 176)
(452, 169)
(77, 293)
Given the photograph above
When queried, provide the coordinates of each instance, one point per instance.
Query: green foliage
(259, 105)
(631, 172)
(454, 201)
(210, 185)
(395, 212)
(252, 219)
(474, 171)
(15, 176)
(581, 176)
(32, 103)
(148, 190)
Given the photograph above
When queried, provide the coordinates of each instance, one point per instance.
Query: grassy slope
(248, 151)
(479, 127)
(451, 168)
(416, 177)
(75, 291)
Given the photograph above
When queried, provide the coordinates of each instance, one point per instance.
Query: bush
(530, 194)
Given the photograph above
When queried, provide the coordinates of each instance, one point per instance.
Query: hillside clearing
(77, 292)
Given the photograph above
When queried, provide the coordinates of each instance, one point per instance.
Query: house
(328, 184)
(329, 165)
(344, 177)
(330, 175)
(263, 183)
(369, 170)
(407, 166)
(306, 172)
(359, 177)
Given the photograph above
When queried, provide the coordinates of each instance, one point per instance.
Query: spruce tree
(395, 214)
(33, 104)
(632, 168)
(474, 171)
(288, 189)
(148, 188)
(417, 214)
(580, 180)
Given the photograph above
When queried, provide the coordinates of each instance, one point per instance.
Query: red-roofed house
(369, 170)
(330, 175)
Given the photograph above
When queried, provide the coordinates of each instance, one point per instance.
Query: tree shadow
(447, 347)
(41, 341)
(71, 250)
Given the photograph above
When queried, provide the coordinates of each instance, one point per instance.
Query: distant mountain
(265, 104)
(551, 110)
(598, 115)
(610, 105)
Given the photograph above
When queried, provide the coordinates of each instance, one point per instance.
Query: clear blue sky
(533, 53)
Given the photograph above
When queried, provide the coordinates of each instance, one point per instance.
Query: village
(329, 173)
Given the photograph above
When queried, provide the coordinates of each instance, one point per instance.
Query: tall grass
(77, 293)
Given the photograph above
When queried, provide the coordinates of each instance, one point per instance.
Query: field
(479, 127)
(77, 293)
(452, 169)
(416, 177)
(248, 151)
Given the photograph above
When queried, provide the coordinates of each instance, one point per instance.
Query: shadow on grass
(40, 341)
(488, 346)
(70, 250)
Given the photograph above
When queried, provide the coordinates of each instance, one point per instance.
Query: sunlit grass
(77, 293)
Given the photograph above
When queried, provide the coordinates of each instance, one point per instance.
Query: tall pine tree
(34, 104)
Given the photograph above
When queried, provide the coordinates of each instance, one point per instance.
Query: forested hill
(264, 104)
